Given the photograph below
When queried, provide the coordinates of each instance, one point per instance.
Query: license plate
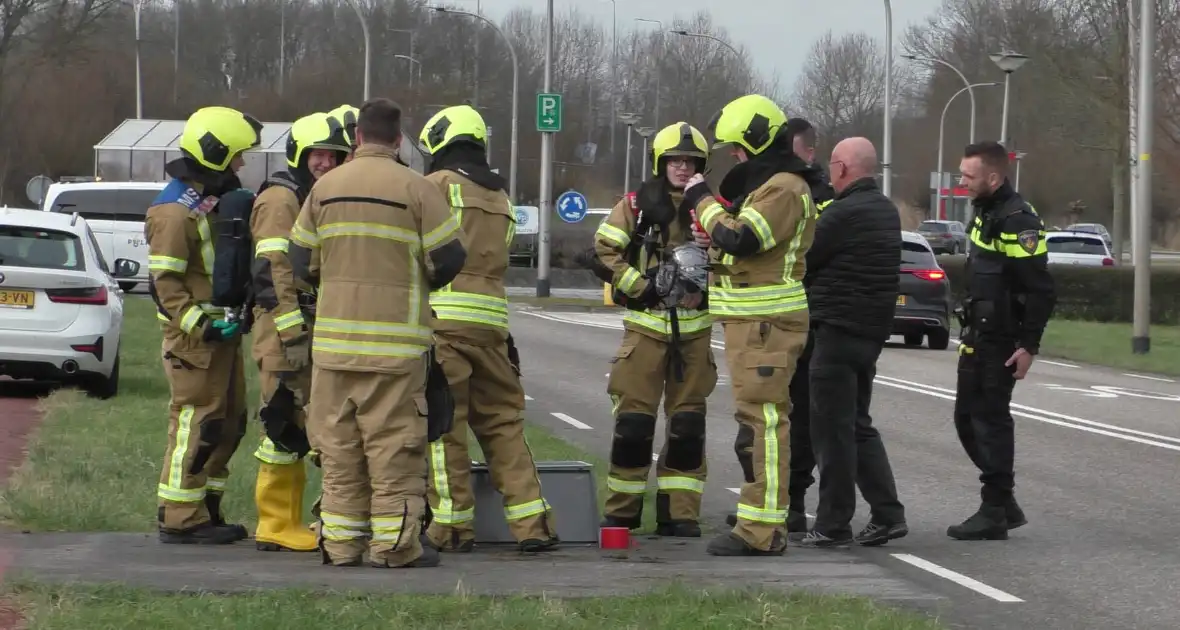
(901, 300)
(16, 299)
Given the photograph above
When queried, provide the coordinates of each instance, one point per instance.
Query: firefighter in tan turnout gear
(757, 294)
(202, 350)
(665, 351)
(375, 237)
(282, 335)
(476, 350)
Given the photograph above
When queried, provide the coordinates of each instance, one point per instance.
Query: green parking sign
(549, 113)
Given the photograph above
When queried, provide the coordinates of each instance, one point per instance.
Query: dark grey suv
(924, 300)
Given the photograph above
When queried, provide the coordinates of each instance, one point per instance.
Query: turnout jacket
(278, 321)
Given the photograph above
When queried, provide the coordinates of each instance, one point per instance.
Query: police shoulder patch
(1029, 239)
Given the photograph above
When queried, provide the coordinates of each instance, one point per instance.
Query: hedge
(1100, 294)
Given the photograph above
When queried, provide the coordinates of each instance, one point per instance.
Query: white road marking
(1150, 378)
(655, 457)
(573, 422)
(527, 397)
(1065, 365)
(957, 578)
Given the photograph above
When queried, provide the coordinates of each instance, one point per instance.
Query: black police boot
(796, 525)
(818, 540)
(615, 521)
(213, 504)
(206, 534)
(1014, 514)
(730, 544)
(679, 529)
(876, 534)
(989, 523)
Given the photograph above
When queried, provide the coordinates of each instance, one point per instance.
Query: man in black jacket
(852, 271)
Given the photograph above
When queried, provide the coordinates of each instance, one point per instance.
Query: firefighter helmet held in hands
(214, 136)
(678, 139)
(460, 123)
(347, 116)
(751, 122)
(315, 131)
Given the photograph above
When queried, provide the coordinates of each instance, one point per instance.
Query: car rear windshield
(106, 205)
(1076, 245)
(39, 248)
(931, 228)
(915, 256)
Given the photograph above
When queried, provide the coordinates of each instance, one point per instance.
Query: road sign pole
(546, 202)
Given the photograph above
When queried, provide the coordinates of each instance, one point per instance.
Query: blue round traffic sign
(572, 206)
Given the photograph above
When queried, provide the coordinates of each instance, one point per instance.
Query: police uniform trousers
(490, 400)
(982, 416)
(762, 358)
(370, 431)
(640, 375)
(282, 475)
(207, 421)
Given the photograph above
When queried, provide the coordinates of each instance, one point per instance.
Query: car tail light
(929, 274)
(947, 235)
(1107, 262)
(90, 295)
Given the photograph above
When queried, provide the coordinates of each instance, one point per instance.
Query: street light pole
(659, 60)
(413, 62)
(138, 73)
(546, 167)
(708, 36)
(887, 157)
(968, 84)
(356, 6)
(1141, 339)
(1009, 62)
(644, 164)
(515, 92)
(630, 120)
(941, 127)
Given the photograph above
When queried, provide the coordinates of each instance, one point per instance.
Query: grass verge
(93, 465)
(99, 608)
(1109, 344)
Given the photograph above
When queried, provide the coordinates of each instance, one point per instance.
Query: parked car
(1078, 248)
(924, 300)
(61, 309)
(115, 211)
(1092, 228)
(945, 237)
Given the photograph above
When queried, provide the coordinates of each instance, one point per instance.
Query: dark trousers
(982, 417)
(847, 447)
(802, 457)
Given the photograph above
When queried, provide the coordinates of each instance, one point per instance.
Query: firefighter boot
(279, 498)
(213, 504)
(730, 544)
(203, 534)
(989, 523)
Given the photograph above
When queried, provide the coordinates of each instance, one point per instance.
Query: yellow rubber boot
(278, 495)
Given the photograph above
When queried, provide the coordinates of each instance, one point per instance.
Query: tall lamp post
(684, 33)
(138, 73)
(941, 127)
(515, 90)
(630, 120)
(1009, 62)
(1141, 312)
(659, 60)
(413, 62)
(887, 158)
(968, 85)
(645, 133)
(360, 14)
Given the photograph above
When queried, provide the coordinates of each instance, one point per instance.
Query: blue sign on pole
(572, 206)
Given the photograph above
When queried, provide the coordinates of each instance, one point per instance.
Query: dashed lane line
(573, 422)
(958, 578)
(1150, 378)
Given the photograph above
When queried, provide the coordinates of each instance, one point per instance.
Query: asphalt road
(1096, 468)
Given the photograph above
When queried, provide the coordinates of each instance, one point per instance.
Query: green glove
(220, 330)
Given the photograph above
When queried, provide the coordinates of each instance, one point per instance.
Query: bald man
(852, 271)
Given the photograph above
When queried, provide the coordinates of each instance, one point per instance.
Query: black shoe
(213, 504)
(875, 535)
(537, 545)
(207, 534)
(817, 540)
(1014, 514)
(615, 521)
(796, 521)
(679, 529)
(731, 519)
(730, 544)
(989, 523)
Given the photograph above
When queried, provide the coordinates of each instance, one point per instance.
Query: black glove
(440, 404)
(649, 298)
(278, 419)
(513, 355)
(694, 194)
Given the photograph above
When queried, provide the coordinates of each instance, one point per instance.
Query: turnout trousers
(370, 431)
(489, 400)
(762, 359)
(206, 423)
(282, 476)
(982, 416)
(639, 376)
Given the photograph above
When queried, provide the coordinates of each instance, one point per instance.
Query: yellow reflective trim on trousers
(433, 238)
(687, 484)
(339, 527)
(772, 299)
(366, 327)
(374, 230)
(759, 515)
(770, 457)
(470, 307)
(369, 348)
(445, 513)
(289, 320)
(613, 235)
(267, 245)
(615, 484)
(525, 510)
(304, 238)
(268, 453)
(761, 227)
(207, 255)
(386, 529)
(216, 484)
(689, 320)
(172, 490)
(167, 263)
(627, 282)
(711, 213)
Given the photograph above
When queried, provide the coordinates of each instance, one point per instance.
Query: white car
(61, 309)
(115, 211)
(1078, 248)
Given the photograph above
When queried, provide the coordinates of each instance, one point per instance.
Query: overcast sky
(763, 26)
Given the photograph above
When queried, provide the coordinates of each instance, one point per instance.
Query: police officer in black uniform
(1010, 297)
